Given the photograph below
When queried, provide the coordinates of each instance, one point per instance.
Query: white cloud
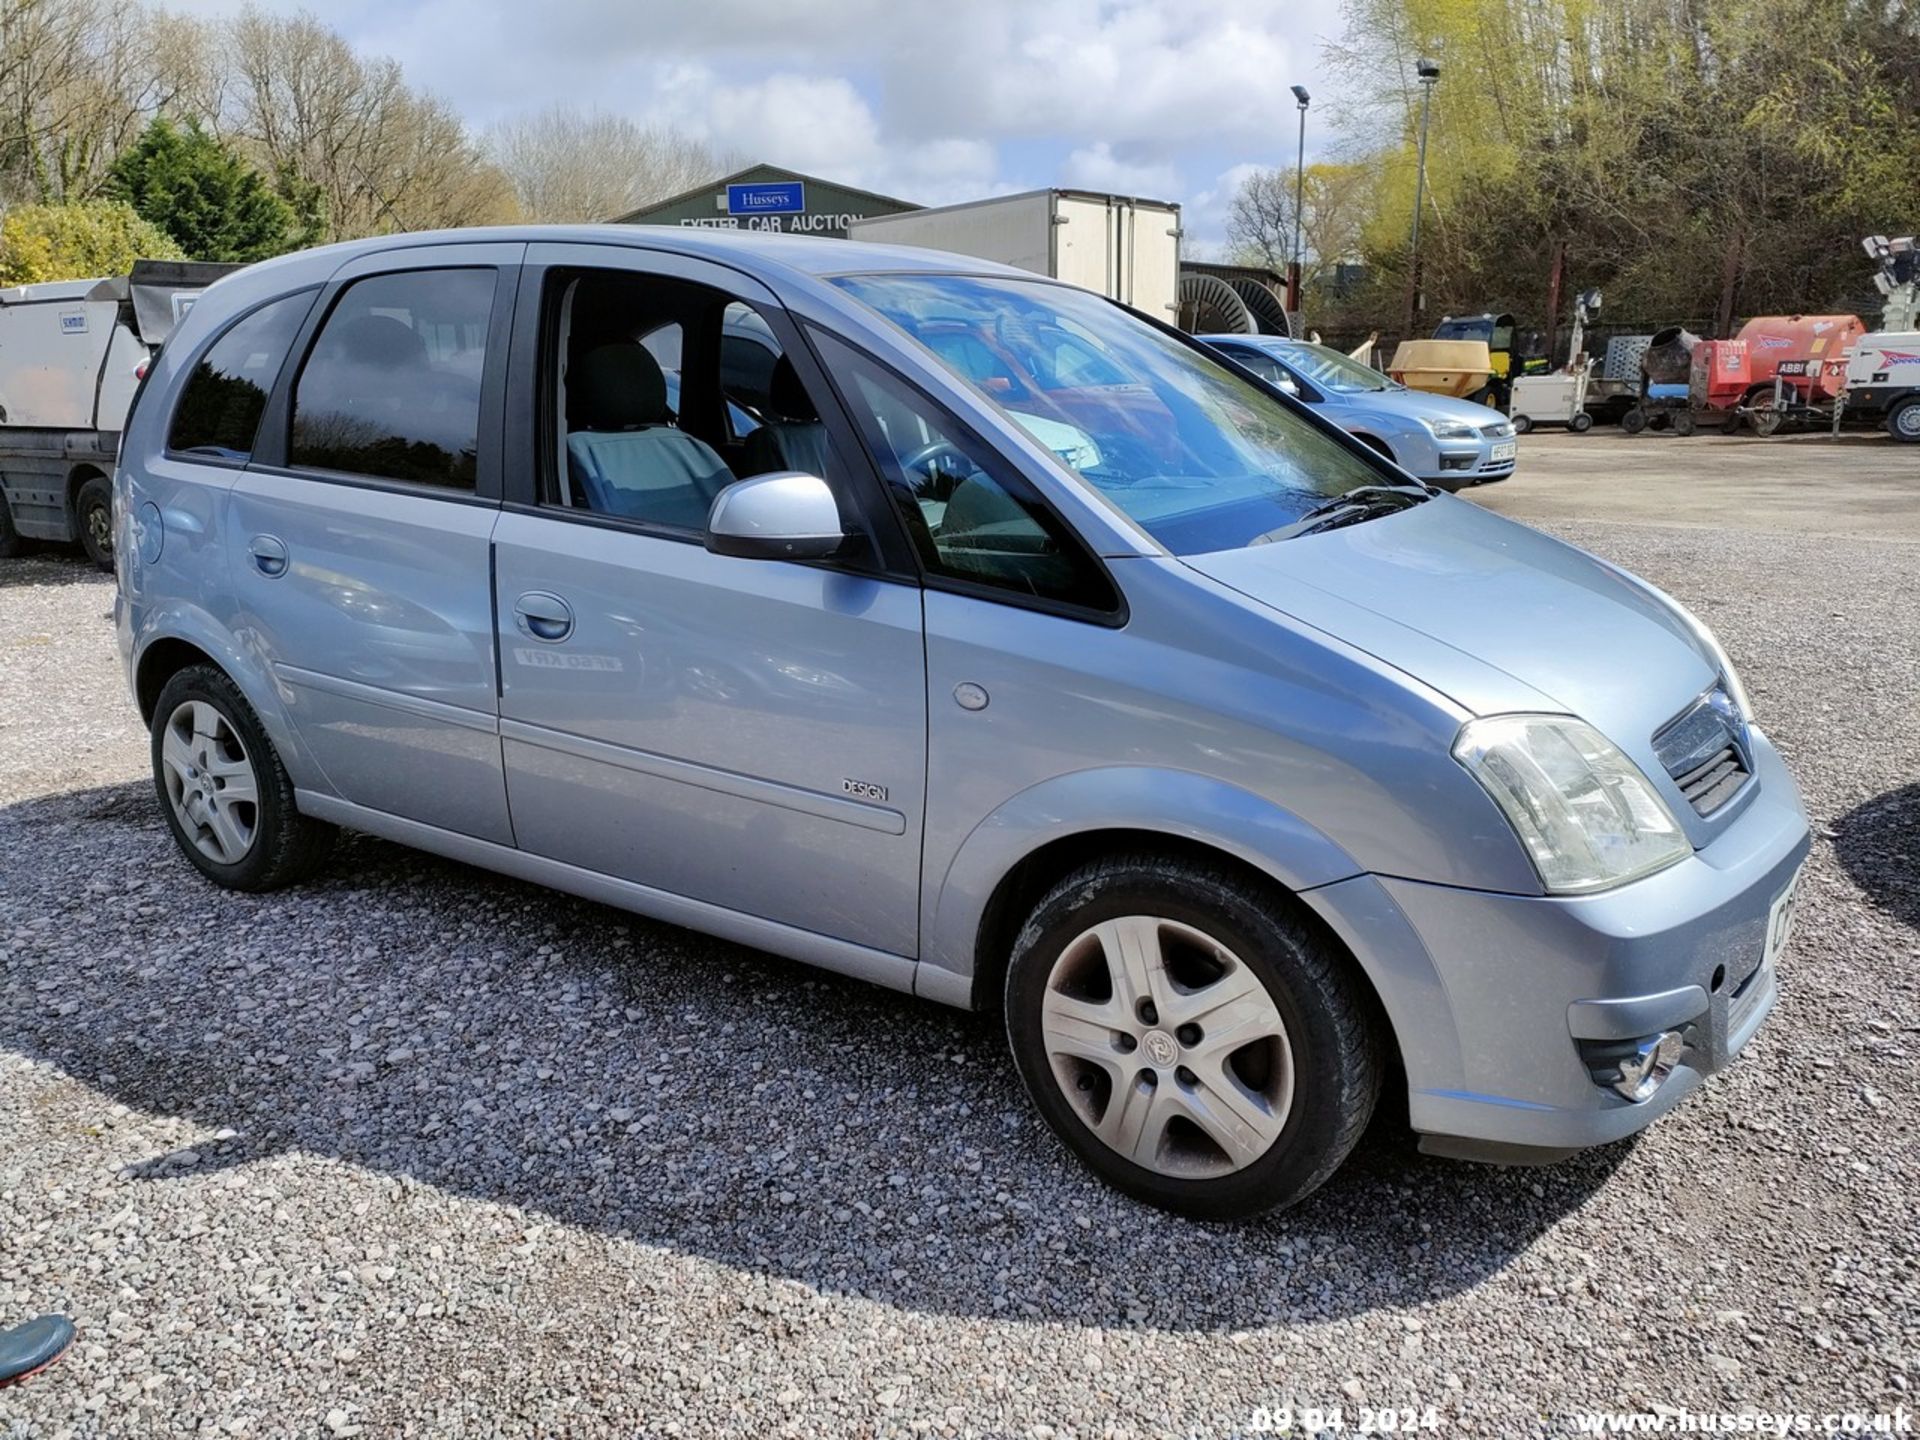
(1096, 167)
(933, 100)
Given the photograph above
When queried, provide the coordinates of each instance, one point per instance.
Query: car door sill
(896, 972)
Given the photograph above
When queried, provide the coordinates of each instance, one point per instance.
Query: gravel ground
(415, 1150)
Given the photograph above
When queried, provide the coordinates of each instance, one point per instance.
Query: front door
(749, 733)
(360, 539)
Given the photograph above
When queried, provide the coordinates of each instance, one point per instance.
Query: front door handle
(543, 616)
(269, 555)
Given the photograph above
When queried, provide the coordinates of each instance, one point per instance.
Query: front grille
(1704, 751)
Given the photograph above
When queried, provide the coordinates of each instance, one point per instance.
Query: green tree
(78, 242)
(207, 198)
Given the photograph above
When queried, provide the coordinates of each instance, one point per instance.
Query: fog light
(1646, 1068)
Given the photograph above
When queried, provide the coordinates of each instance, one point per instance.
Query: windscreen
(1331, 370)
(1199, 458)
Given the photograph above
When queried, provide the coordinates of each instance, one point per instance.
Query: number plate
(1505, 450)
(1780, 921)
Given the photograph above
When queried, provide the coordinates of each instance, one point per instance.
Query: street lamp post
(1429, 72)
(1296, 294)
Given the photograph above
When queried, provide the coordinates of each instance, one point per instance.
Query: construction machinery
(1561, 397)
(1778, 369)
(1666, 370)
(1883, 373)
(1496, 332)
(1460, 368)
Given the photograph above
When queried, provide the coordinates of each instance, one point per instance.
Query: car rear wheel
(93, 518)
(227, 797)
(1190, 1036)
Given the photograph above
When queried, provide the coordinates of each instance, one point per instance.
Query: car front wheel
(1191, 1036)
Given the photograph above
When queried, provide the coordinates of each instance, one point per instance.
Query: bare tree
(79, 79)
(1337, 200)
(377, 155)
(567, 164)
(1260, 222)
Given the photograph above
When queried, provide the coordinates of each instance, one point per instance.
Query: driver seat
(792, 437)
(625, 453)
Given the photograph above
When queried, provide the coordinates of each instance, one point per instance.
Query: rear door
(358, 535)
(748, 733)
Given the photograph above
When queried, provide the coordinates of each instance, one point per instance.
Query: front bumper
(1501, 1003)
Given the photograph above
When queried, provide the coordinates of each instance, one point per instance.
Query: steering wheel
(918, 460)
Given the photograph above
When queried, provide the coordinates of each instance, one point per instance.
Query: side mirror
(783, 516)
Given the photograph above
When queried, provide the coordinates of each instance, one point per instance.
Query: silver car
(1446, 442)
(994, 644)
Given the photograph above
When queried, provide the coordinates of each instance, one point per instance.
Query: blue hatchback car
(972, 635)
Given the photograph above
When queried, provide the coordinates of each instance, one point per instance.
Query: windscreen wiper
(1360, 503)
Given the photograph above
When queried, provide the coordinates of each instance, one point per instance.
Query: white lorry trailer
(72, 353)
(1124, 248)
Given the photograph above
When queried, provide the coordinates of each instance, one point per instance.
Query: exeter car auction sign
(767, 198)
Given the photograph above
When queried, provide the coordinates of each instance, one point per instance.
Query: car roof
(759, 253)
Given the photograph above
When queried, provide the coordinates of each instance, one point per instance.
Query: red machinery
(1778, 368)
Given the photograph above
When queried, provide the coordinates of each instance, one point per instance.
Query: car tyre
(93, 519)
(1254, 1066)
(11, 544)
(227, 798)
(1903, 420)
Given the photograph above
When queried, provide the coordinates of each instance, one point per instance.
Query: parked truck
(72, 353)
(1124, 248)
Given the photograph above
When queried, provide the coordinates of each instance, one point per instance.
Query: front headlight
(1584, 811)
(1451, 430)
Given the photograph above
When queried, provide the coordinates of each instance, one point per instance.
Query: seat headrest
(617, 387)
(380, 342)
(787, 398)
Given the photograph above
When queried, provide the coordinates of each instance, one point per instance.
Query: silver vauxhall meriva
(963, 631)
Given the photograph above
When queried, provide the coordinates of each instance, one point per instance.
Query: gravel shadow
(1879, 844)
(424, 1019)
(44, 563)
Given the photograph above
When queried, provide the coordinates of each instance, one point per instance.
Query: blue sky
(930, 100)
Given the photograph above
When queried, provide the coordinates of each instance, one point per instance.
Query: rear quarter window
(220, 406)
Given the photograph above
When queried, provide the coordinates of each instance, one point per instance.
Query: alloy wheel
(1168, 1047)
(210, 782)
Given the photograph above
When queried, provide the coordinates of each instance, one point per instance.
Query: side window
(391, 387)
(220, 405)
(1265, 366)
(667, 391)
(971, 517)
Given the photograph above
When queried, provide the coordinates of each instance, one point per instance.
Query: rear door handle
(543, 616)
(269, 555)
